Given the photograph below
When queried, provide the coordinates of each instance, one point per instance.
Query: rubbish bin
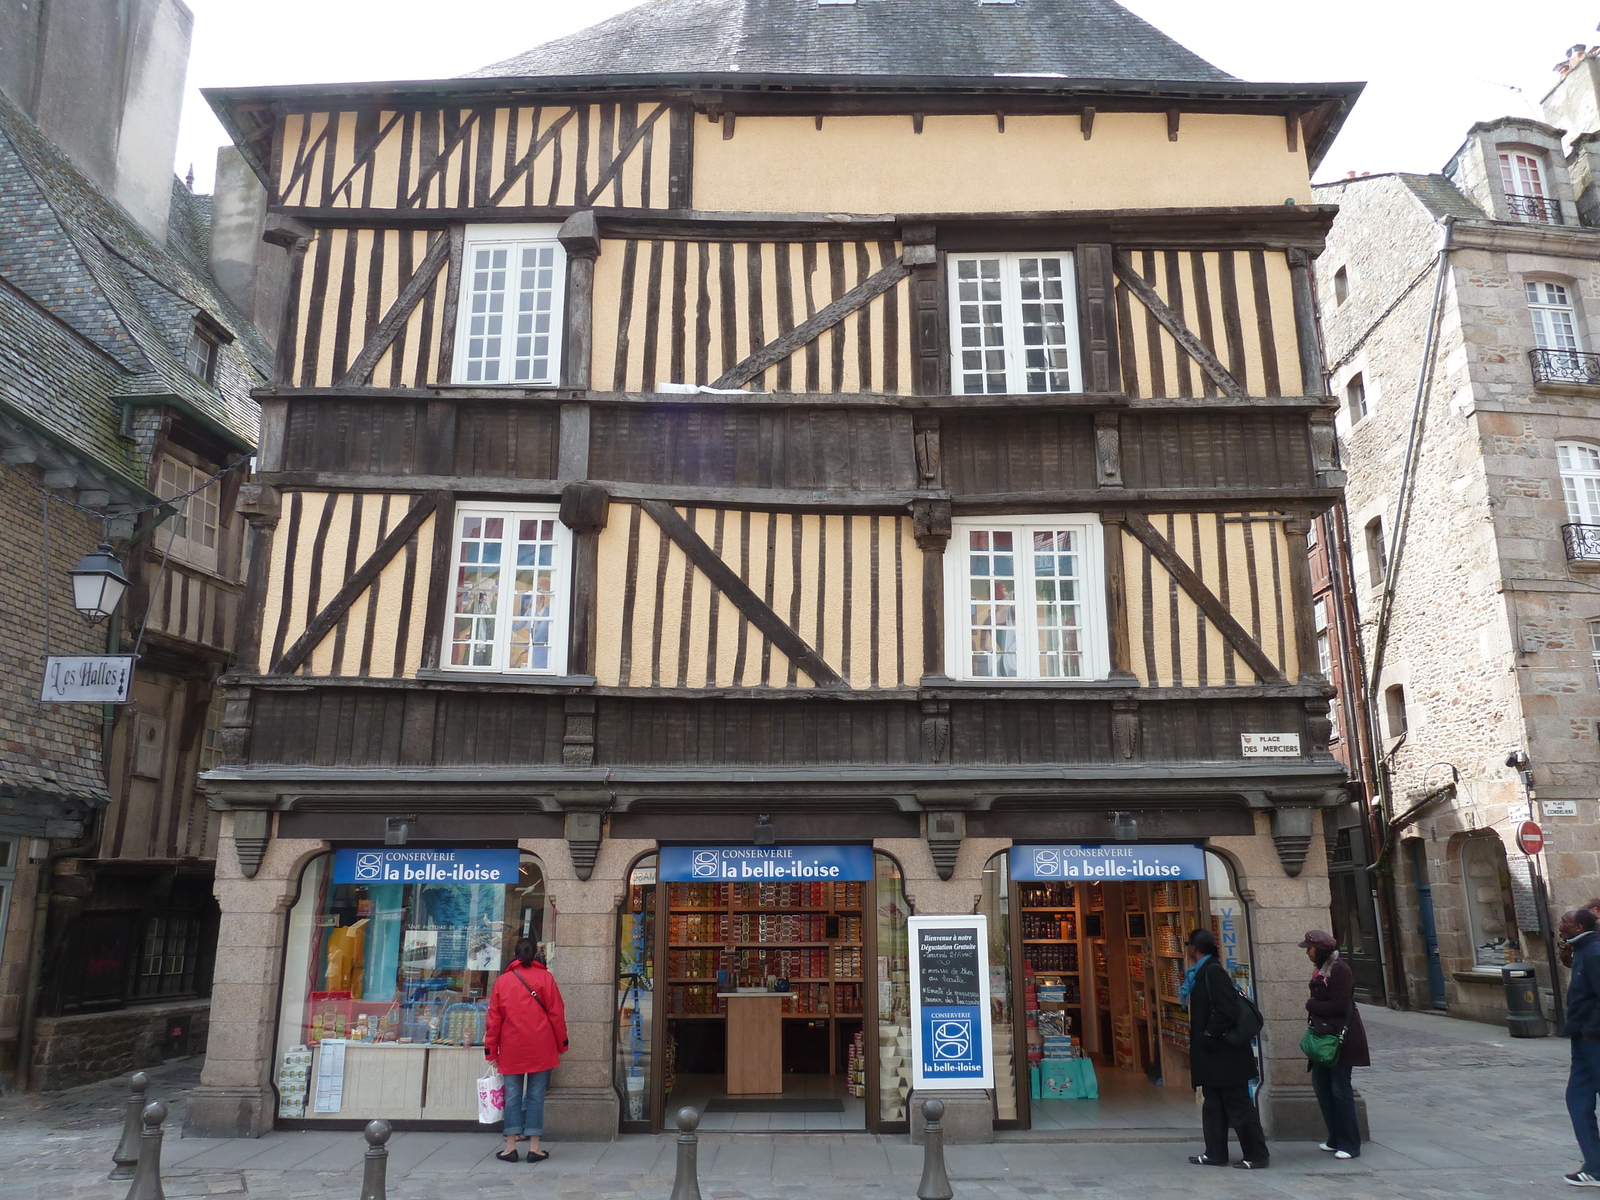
(1524, 1015)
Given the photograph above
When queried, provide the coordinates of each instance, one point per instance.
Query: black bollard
(126, 1155)
(686, 1182)
(374, 1172)
(935, 1183)
(147, 1175)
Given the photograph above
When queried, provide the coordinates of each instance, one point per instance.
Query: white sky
(1432, 67)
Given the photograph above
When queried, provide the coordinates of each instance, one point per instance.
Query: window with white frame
(1594, 647)
(192, 535)
(1013, 323)
(1490, 912)
(1555, 325)
(1579, 463)
(1522, 176)
(513, 286)
(1025, 598)
(1355, 397)
(1324, 644)
(510, 584)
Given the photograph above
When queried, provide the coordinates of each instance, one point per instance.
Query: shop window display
(636, 997)
(894, 992)
(1489, 909)
(386, 985)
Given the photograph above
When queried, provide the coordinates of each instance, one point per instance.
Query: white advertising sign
(1559, 808)
(1270, 745)
(950, 1032)
(94, 679)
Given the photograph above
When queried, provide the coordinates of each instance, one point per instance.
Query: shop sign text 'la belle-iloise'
(1118, 861)
(688, 864)
(426, 866)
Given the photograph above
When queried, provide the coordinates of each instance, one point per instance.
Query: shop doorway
(776, 1005)
(1101, 1035)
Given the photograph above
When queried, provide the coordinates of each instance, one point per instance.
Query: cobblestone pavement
(1457, 1110)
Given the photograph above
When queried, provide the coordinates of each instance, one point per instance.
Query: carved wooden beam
(399, 313)
(1205, 599)
(1173, 324)
(756, 610)
(322, 624)
(826, 318)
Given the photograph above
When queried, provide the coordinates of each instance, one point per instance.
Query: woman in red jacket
(525, 1036)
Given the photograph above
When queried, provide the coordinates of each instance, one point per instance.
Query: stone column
(1281, 908)
(968, 1115)
(583, 1105)
(235, 1096)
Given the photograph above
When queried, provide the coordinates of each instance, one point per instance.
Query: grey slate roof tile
(80, 258)
(1077, 39)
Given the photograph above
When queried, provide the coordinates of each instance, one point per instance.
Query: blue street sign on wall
(1117, 861)
(426, 866)
(688, 864)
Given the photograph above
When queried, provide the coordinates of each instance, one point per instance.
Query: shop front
(389, 958)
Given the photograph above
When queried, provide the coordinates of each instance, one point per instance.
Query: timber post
(126, 1155)
(686, 1180)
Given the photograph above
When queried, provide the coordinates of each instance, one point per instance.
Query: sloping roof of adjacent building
(93, 310)
(1435, 192)
(1074, 39)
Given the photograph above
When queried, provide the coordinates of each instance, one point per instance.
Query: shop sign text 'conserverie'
(426, 866)
(1118, 861)
(687, 864)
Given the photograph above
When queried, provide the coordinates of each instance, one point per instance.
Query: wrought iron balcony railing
(1534, 208)
(1582, 543)
(1564, 366)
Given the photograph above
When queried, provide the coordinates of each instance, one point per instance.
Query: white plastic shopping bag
(491, 1098)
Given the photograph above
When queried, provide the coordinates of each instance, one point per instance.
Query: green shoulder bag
(1322, 1047)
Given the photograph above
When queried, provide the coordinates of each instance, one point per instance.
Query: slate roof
(1074, 39)
(93, 309)
(1437, 194)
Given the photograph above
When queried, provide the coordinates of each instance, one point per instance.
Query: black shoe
(506, 1155)
(1245, 1164)
(1200, 1160)
(538, 1156)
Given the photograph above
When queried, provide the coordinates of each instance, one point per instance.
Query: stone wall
(83, 1048)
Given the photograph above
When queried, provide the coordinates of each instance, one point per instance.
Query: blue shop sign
(756, 864)
(1118, 861)
(426, 866)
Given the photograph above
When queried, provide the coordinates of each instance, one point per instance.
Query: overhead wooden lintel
(1204, 598)
(756, 610)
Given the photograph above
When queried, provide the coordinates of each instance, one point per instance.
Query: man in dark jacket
(1583, 1028)
(1221, 1061)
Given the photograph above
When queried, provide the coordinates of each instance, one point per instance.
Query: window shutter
(1097, 318)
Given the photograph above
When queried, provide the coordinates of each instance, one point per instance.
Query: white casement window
(1579, 463)
(510, 585)
(513, 286)
(1013, 323)
(1324, 646)
(1523, 179)
(1025, 599)
(193, 534)
(1594, 647)
(1555, 325)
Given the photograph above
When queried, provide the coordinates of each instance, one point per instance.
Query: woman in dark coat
(1221, 1061)
(1332, 1008)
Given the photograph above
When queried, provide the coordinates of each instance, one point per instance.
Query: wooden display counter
(755, 1042)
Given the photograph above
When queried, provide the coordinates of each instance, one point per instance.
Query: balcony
(1534, 209)
(1565, 367)
(1583, 546)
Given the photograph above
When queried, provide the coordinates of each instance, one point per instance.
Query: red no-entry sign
(1530, 838)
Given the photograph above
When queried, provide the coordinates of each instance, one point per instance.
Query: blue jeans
(1582, 1086)
(525, 1104)
(1337, 1099)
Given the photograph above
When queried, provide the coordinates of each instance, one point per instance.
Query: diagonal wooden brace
(756, 610)
(399, 312)
(1173, 324)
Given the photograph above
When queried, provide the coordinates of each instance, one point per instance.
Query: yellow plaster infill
(964, 164)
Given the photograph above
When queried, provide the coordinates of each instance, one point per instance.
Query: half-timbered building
(871, 445)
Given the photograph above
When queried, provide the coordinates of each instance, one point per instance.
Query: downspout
(1383, 777)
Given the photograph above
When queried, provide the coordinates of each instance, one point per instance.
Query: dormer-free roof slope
(1073, 39)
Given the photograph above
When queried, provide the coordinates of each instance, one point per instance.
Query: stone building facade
(1461, 311)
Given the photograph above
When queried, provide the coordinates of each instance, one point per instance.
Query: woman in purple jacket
(1332, 1008)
